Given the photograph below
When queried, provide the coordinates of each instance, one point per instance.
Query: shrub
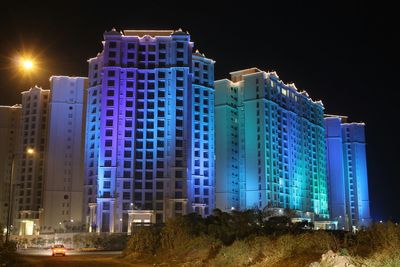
(242, 252)
(378, 237)
(145, 240)
(7, 253)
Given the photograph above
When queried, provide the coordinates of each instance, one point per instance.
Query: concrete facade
(10, 119)
(29, 192)
(63, 193)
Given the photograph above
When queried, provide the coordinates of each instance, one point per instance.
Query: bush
(377, 238)
(266, 251)
(242, 252)
(7, 253)
(248, 238)
(146, 240)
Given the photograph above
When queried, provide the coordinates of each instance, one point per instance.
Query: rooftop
(152, 33)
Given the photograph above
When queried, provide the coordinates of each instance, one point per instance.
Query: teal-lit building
(347, 172)
(270, 145)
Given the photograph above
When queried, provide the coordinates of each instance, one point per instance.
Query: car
(58, 249)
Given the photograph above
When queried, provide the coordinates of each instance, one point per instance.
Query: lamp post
(29, 151)
(10, 197)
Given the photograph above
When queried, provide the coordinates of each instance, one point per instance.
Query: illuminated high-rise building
(63, 192)
(347, 172)
(149, 151)
(31, 161)
(270, 150)
(10, 119)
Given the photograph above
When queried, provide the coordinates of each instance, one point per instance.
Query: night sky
(342, 54)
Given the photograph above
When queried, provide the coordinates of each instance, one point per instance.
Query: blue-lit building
(270, 149)
(347, 172)
(149, 151)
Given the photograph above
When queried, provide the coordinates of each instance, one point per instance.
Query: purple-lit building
(149, 151)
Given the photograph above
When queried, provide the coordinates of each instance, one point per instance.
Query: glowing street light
(29, 151)
(26, 64)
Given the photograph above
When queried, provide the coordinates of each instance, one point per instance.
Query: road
(43, 258)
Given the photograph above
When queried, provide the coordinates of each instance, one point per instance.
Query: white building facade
(63, 192)
(31, 155)
(10, 119)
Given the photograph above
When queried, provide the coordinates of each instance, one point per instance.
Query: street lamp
(26, 64)
(29, 151)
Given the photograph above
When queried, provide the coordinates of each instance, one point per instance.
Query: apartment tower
(149, 152)
(29, 188)
(63, 193)
(270, 149)
(10, 119)
(347, 172)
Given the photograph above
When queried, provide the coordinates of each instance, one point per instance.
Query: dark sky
(341, 53)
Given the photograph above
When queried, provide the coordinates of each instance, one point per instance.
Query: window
(110, 83)
(112, 45)
(108, 143)
(109, 132)
(128, 113)
(148, 196)
(161, 75)
(159, 185)
(127, 143)
(149, 185)
(159, 196)
(178, 184)
(138, 196)
(159, 206)
(178, 206)
(107, 184)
